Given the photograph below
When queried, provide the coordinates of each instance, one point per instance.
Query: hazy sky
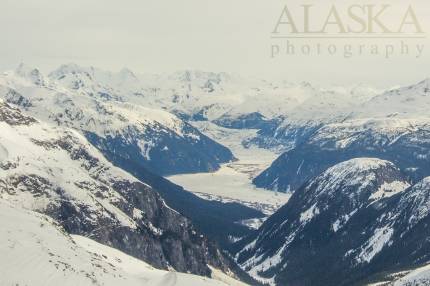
(217, 35)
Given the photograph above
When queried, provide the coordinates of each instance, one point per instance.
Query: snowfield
(35, 251)
(230, 185)
(417, 277)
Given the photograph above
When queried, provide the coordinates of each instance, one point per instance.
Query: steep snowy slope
(357, 221)
(402, 223)
(414, 277)
(406, 102)
(308, 232)
(55, 171)
(154, 139)
(36, 251)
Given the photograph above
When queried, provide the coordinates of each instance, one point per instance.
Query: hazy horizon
(222, 36)
(145, 75)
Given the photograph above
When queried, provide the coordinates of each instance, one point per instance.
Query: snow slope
(407, 102)
(36, 251)
(322, 224)
(416, 277)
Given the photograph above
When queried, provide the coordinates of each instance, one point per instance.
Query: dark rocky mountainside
(404, 143)
(356, 220)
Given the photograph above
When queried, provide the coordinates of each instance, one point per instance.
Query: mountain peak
(378, 178)
(424, 84)
(30, 73)
(65, 69)
(360, 164)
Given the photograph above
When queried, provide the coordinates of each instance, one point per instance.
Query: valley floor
(233, 181)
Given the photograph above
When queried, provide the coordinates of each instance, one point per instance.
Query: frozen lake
(233, 182)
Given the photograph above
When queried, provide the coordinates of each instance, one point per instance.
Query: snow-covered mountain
(405, 102)
(36, 251)
(142, 141)
(199, 95)
(284, 112)
(307, 225)
(356, 221)
(57, 172)
(404, 142)
(123, 131)
(394, 126)
(312, 110)
(86, 148)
